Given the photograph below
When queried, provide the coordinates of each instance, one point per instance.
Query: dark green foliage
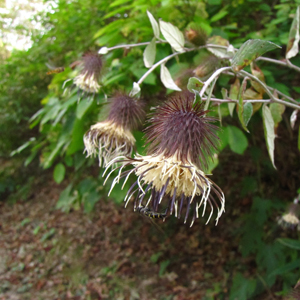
(43, 125)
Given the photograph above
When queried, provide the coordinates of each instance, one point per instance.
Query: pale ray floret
(181, 183)
(108, 140)
(87, 83)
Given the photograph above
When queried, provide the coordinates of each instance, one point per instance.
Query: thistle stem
(160, 63)
(211, 78)
(236, 101)
(285, 63)
(273, 98)
(134, 45)
(270, 88)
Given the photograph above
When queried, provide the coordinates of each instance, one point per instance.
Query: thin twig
(285, 63)
(274, 99)
(134, 45)
(160, 63)
(270, 88)
(211, 78)
(236, 101)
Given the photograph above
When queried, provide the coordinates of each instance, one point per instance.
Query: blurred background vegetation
(42, 128)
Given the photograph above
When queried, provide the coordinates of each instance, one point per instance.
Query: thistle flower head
(91, 66)
(113, 136)
(290, 219)
(182, 129)
(170, 173)
(126, 111)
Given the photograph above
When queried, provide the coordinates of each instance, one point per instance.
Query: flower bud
(196, 35)
(207, 66)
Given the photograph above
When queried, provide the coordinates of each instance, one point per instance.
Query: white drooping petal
(87, 83)
(107, 140)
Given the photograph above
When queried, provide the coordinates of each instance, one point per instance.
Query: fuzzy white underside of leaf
(149, 54)
(293, 118)
(154, 24)
(295, 48)
(167, 80)
(136, 88)
(269, 131)
(222, 53)
(103, 50)
(173, 35)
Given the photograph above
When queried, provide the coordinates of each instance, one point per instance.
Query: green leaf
(59, 173)
(66, 199)
(154, 257)
(237, 141)
(48, 162)
(249, 51)
(24, 146)
(221, 14)
(242, 288)
(90, 200)
(194, 85)
(233, 94)
(173, 35)
(154, 24)
(82, 107)
(220, 52)
(118, 2)
(294, 244)
(292, 48)
(244, 110)
(277, 110)
(49, 234)
(247, 113)
(51, 113)
(163, 266)
(269, 131)
(149, 54)
(78, 131)
(286, 268)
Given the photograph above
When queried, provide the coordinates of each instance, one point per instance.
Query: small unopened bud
(207, 66)
(196, 35)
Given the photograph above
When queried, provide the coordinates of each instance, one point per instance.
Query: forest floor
(111, 253)
(115, 253)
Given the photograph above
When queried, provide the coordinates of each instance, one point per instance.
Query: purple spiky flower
(90, 71)
(113, 137)
(181, 139)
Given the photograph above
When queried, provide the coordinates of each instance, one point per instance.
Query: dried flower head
(91, 66)
(180, 134)
(290, 219)
(113, 136)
